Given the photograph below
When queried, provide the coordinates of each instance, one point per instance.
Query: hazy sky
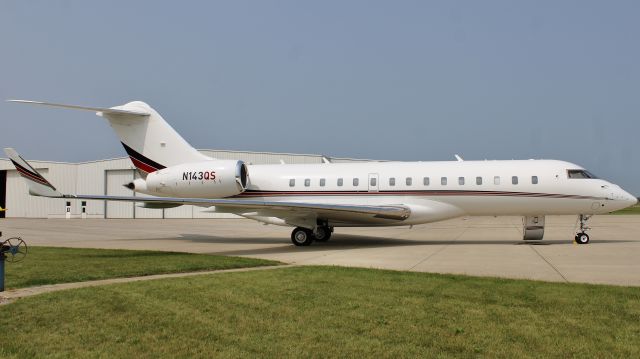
(399, 80)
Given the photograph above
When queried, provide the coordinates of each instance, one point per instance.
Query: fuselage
(444, 189)
(316, 198)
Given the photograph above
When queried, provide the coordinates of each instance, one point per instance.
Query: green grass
(326, 312)
(49, 265)
(630, 210)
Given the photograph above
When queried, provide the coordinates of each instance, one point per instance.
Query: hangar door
(115, 180)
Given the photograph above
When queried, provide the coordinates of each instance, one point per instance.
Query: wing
(294, 213)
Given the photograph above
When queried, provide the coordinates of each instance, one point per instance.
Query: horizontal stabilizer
(98, 110)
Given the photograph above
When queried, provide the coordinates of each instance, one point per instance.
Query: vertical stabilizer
(151, 143)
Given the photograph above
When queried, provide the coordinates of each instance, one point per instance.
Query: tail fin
(38, 185)
(150, 142)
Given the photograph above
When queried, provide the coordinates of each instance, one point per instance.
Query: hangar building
(107, 177)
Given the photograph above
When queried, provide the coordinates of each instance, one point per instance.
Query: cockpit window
(580, 174)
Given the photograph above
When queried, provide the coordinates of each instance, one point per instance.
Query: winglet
(38, 185)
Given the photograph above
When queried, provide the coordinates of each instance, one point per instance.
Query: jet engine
(533, 228)
(206, 179)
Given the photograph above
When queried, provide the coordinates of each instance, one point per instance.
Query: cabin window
(461, 181)
(496, 180)
(322, 182)
(373, 181)
(409, 181)
(580, 174)
(307, 182)
(478, 180)
(356, 182)
(425, 181)
(392, 181)
(514, 180)
(340, 182)
(534, 179)
(292, 182)
(443, 181)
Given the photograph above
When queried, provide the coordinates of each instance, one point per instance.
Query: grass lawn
(629, 210)
(49, 265)
(326, 312)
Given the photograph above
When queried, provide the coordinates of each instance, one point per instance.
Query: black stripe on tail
(141, 162)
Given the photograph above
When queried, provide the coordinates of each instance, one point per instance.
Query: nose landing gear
(582, 237)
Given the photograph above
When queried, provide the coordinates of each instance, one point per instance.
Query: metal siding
(63, 176)
(91, 180)
(115, 181)
(19, 205)
(5, 164)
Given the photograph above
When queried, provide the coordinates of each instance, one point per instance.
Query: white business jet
(316, 198)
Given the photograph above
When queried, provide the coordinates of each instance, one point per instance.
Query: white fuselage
(474, 188)
(316, 198)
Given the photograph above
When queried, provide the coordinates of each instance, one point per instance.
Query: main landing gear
(582, 237)
(304, 237)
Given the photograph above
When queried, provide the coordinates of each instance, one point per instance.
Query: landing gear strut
(582, 237)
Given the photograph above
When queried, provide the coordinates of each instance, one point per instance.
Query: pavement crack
(439, 250)
(549, 263)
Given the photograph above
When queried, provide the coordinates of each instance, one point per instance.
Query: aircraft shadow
(349, 241)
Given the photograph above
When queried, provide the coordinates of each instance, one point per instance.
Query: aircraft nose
(629, 198)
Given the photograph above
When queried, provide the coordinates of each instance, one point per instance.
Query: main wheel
(302, 236)
(582, 238)
(322, 234)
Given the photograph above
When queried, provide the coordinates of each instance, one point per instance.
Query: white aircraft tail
(151, 143)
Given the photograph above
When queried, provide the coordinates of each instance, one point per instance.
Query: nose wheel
(582, 237)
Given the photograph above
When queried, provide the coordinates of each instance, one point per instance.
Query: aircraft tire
(582, 238)
(302, 236)
(323, 234)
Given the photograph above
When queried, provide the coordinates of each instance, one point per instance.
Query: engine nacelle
(533, 228)
(207, 179)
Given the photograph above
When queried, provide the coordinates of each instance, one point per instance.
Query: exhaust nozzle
(137, 185)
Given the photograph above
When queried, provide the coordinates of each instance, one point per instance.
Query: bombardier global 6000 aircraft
(316, 198)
